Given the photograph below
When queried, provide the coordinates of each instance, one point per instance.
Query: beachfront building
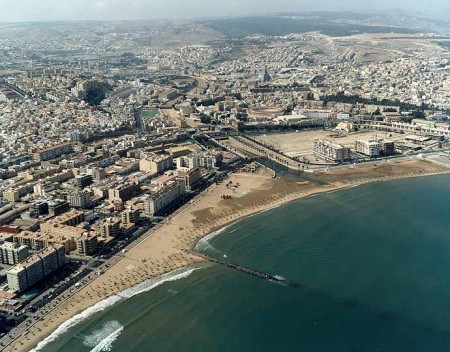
(87, 244)
(110, 227)
(209, 160)
(130, 216)
(13, 253)
(190, 177)
(35, 268)
(60, 235)
(387, 148)
(164, 197)
(370, 148)
(331, 151)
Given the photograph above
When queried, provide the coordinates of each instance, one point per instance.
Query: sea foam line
(97, 336)
(110, 301)
(106, 343)
(205, 240)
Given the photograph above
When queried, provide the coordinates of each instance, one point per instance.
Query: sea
(362, 269)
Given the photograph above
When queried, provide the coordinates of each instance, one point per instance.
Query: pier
(241, 269)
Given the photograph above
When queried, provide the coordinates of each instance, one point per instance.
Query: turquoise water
(369, 268)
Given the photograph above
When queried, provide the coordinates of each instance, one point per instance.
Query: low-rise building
(52, 152)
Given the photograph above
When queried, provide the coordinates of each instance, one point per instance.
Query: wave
(204, 244)
(275, 206)
(110, 301)
(102, 339)
(106, 343)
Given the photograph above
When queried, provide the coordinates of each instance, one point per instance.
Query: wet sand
(168, 248)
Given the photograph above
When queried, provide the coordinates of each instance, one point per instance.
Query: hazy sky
(43, 10)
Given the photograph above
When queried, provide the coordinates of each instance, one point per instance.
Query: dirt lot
(302, 143)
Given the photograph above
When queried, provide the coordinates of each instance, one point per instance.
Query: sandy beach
(168, 248)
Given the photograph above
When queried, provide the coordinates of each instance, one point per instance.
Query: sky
(56, 10)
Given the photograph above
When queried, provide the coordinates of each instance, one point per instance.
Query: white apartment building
(13, 253)
(331, 151)
(35, 268)
(368, 147)
(164, 197)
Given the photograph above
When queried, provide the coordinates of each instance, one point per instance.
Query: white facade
(368, 147)
(164, 197)
(12, 253)
(35, 268)
(331, 151)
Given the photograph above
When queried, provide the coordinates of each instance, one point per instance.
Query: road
(77, 286)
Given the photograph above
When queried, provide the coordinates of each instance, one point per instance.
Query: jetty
(241, 269)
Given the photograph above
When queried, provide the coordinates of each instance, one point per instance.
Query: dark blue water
(368, 267)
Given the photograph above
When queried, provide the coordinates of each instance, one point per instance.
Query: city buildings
(79, 199)
(187, 104)
(87, 244)
(110, 227)
(164, 197)
(124, 191)
(12, 253)
(156, 163)
(52, 152)
(36, 268)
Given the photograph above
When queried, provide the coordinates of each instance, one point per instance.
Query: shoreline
(119, 297)
(200, 230)
(218, 230)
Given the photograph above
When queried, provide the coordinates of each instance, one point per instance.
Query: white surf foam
(106, 344)
(102, 339)
(204, 242)
(209, 237)
(108, 302)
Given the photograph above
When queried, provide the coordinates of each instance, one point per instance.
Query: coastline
(172, 246)
(115, 299)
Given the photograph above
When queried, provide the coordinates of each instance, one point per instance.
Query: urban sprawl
(101, 140)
